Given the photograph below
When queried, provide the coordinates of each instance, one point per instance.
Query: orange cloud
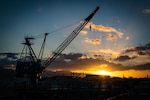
(93, 41)
(106, 29)
(127, 38)
(83, 32)
(111, 37)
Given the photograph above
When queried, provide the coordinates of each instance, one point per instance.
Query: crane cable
(64, 27)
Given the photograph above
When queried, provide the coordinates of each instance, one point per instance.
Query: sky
(117, 43)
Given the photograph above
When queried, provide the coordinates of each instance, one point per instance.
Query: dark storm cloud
(124, 58)
(7, 59)
(140, 50)
(142, 67)
(99, 56)
(76, 62)
(10, 55)
(71, 56)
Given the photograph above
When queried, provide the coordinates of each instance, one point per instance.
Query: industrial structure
(62, 87)
(31, 66)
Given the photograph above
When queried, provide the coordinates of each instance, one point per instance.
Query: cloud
(77, 63)
(83, 32)
(146, 11)
(142, 67)
(71, 56)
(93, 41)
(92, 64)
(105, 29)
(9, 55)
(127, 38)
(111, 37)
(105, 51)
(8, 59)
(124, 58)
(98, 56)
(140, 50)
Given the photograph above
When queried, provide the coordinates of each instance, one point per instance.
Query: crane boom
(68, 40)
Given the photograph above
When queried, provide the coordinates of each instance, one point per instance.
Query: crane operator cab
(28, 66)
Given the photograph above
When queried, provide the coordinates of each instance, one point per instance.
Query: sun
(103, 72)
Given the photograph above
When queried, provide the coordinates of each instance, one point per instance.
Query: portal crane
(29, 65)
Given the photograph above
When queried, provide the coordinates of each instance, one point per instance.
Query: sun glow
(103, 72)
(124, 73)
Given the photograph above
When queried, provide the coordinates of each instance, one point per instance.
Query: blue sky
(118, 26)
(25, 17)
(20, 18)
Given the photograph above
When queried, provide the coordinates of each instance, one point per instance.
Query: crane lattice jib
(68, 40)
